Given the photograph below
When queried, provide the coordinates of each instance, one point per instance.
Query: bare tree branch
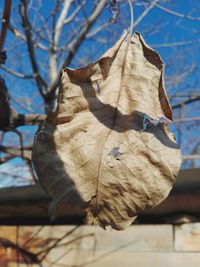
(44, 28)
(97, 11)
(56, 36)
(178, 120)
(17, 152)
(90, 21)
(74, 13)
(28, 119)
(184, 95)
(6, 159)
(42, 86)
(61, 20)
(191, 100)
(9, 118)
(5, 22)
(21, 36)
(17, 74)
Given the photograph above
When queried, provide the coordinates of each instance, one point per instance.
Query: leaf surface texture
(94, 151)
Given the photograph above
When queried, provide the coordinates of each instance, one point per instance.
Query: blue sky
(158, 28)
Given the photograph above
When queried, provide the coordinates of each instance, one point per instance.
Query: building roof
(30, 204)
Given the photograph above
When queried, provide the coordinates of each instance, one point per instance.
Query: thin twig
(97, 30)
(46, 251)
(44, 27)
(189, 101)
(190, 157)
(75, 12)
(177, 14)
(141, 17)
(16, 151)
(6, 158)
(178, 120)
(21, 36)
(175, 44)
(17, 74)
(94, 15)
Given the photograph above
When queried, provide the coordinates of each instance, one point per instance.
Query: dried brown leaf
(107, 148)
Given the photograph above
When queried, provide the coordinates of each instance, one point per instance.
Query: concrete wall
(63, 246)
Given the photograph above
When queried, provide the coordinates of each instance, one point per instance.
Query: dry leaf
(94, 151)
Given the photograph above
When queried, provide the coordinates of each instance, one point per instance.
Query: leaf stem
(129, 35)
(131, 18)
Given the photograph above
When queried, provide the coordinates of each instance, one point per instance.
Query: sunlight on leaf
(94, 152)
